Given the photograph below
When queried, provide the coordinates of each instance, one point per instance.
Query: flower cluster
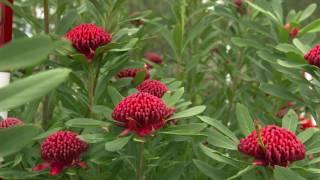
(313, 56)
(132, 72)
(86, 38)
(153, 87)
(61, 149)
(281, 146)
(10, 122)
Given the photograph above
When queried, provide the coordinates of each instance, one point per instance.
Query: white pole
(4, 81)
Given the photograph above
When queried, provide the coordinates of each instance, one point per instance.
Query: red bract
(306, 123)
(125, 73)
(294, 32)
(153, 87)
(61, 149)
(142, 113)
(153, 57)
(313, 56)
(86, 38)
(6, 16)
(282, 147)
(10, 122)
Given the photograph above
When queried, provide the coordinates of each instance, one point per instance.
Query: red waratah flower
(61, 149)
(125, 73)
(306, 123)
(142, 113)
(153, 87)
(281, 146)
(153, 57)
(313, 56)
(10, 122)
(86, 38)
(238, 3)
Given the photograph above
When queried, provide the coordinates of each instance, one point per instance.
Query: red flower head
(86, 38)
(306, 123)
(140, 112)
(313, 56)
(153, 57)
(238, 3)
(281, 147)
(153, 87)
(61, 149)
(10, 122)
(125, 73)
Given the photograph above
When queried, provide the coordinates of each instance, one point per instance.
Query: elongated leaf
(278, 91)
(300, 46)
(47, 133)
(25, 52)
(308, 11)
(290, 121)
(307, 134)
(258, 8)
(31, 88)
(66, 22)
(281, 173)
(86, 122)
(242, 172)
(189, 112)
(245, 121)
(313, 27)
(220, 127)
(288, 48)
(7, 173)
(114, 94)
(220, 157)
(185, 129)
(218, 140)
(15, 138)
(117, 144)
(208, 170)
(171, 100)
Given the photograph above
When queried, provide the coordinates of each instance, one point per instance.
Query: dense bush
(182, 89)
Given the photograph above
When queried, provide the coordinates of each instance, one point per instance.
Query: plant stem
(45, 105)
(91, 89)
(139, 160)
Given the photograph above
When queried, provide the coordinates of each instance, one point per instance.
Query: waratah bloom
(281, 147)
(60, 150)
(86, 38)
(153, 87)
(306, 123)
(10, 122)
(132, 72)
(153, 57)
(142, 113)
(313, 56)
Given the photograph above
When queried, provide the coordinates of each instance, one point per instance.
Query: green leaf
(242, 172)
(308, 11)
(313, 27)
(47, 133)
(188, 113)
(288, 48)
(114, 94)
(92, 138)
(300, 46)
(245, 121)
(290, 121)
(7, 173)
(220, 127)
(15, 138)
(313, 150)
(31, 88)
(117, 144)
(278, 91)
(281, 173)
(171, 100)
(185, 129)
(217, 156)
(25, 52)
(66, 22)
(219, 140)
(241, 42)
(307, 134)
(86, 122)
(208, 170)
(258, 8)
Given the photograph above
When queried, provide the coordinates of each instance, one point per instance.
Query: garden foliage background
(230, 69)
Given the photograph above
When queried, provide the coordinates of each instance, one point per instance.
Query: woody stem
(139, 160)
(91, 84)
